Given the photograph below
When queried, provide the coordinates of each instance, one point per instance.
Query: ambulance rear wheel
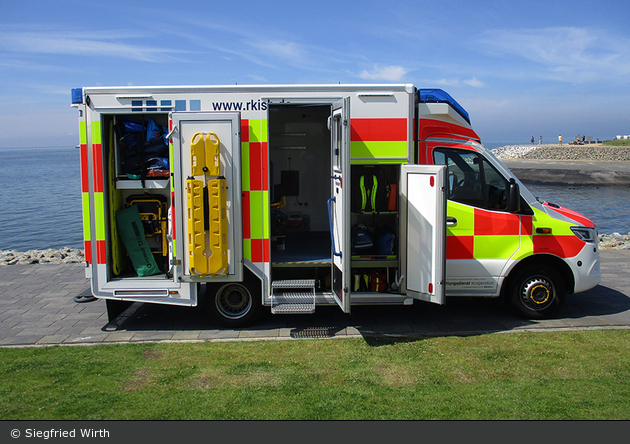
(537, 292)
(233, 304)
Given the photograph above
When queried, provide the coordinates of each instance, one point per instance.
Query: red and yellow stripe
(255, 187)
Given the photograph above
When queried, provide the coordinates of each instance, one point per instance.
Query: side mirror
(514, 197)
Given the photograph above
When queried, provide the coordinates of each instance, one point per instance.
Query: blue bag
(387, 244)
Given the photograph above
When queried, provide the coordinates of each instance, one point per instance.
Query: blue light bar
(77, 95)
(441, 96)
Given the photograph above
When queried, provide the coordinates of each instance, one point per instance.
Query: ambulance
(287, 197)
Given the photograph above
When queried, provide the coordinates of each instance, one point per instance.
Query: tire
(537, 292)
(233, 304)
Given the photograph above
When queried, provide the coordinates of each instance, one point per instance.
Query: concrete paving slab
(37, 307)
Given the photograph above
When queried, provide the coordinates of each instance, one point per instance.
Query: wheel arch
(547, 260)
(250, 285)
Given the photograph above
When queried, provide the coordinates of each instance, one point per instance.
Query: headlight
(585, 234)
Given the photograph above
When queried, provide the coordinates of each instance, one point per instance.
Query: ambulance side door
(339, 203)
(423, 231)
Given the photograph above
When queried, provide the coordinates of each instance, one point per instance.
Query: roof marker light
(441, 96)
(77, 96)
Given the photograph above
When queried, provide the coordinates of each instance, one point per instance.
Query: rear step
(293, 296)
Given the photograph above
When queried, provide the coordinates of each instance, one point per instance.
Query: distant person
(532, 140)
(560, 139)
(540, 141)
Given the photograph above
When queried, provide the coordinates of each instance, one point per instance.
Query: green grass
(617, 142)
(569, 375)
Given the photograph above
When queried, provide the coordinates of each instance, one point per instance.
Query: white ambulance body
(292, 196)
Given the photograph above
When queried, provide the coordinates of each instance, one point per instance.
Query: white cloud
(278, 48)
(567, 54)
(454, 82)
(474, 82)
(85, 44)
(389, 73)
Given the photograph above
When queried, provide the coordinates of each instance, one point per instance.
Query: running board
(293, 296)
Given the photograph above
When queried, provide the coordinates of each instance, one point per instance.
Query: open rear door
(423, 231)
(339, 203)
(207, 195)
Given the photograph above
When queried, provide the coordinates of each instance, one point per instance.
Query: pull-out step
(293, 296)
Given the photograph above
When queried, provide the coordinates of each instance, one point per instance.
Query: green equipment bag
(132, 234)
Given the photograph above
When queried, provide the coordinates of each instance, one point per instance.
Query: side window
(471, 180)
(496, 188)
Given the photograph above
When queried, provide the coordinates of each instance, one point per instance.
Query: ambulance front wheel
(537, 292)
(233, 304)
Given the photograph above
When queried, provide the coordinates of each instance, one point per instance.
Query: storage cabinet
(137, 173)
(375, 226)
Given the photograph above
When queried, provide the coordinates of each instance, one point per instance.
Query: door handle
(332, 235)
(451, 221)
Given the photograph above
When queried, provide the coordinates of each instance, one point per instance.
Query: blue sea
(40, 200)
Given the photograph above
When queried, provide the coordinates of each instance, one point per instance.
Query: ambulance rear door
(207, 196)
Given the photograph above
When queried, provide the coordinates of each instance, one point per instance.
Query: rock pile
(65, 255)
(564, 152)
(614, 241)
(69, 255)
(513, 151)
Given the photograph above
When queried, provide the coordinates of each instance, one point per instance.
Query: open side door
(423, 231)
(207, 196)
(339, 203)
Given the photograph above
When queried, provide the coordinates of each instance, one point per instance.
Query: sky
(540, 68)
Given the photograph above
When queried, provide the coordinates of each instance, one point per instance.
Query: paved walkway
(37, 307)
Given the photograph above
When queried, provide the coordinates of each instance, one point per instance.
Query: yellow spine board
(207, 249)
(197, 155)
(212, 154)
(198, 263)
(218, 261)
(204, 155)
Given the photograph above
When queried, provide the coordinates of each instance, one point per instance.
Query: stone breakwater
(613, 241)
(65, 255)
(593, 152)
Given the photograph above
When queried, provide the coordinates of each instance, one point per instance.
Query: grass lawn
(617, 142)
(544, 376)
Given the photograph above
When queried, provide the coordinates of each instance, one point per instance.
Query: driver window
(471, 180)
(496, 188)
